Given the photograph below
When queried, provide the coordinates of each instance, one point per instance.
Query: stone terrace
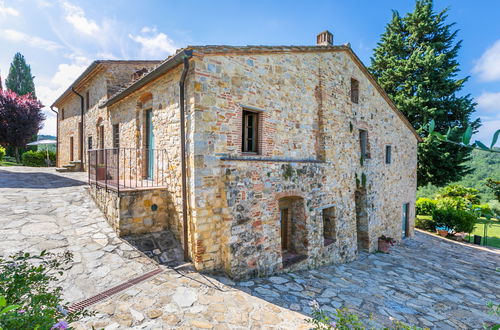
(427, 281)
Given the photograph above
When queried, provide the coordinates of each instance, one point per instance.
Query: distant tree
(416, 64)
(21, 118)
(20, 79)
(1, 82)
(495, 186)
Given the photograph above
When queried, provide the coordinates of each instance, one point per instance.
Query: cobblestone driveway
(427, 281)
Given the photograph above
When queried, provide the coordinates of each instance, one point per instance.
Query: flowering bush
(28, 298)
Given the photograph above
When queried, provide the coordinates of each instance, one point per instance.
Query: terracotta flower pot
(384, 246)
(442, 232)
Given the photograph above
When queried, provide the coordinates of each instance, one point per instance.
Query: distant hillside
(485, 165)
(46, 137)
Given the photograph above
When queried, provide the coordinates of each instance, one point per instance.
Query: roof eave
(154, 74)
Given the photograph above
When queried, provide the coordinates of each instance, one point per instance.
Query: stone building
(260, 159)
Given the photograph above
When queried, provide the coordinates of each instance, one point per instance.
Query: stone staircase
(73, 166)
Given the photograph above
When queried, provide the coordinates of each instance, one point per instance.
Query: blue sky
(59, 38)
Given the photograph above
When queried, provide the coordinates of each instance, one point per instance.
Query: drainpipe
(183, 158)
(81, 121)
(57, 135)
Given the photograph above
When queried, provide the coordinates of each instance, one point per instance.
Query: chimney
(325, 38)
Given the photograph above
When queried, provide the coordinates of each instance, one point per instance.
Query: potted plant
(442, 231)
(385, 243)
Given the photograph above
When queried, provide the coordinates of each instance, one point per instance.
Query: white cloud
(33, 41)
(7, 11)
(488, 65)
(154, 45)
(486, 131)
(76, 17)
(489, 102)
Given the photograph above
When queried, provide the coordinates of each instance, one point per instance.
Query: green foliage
(416, 64)
(20, 79)
(37, 158)
(494, 185)
(425, 206)
(484, 210)
(485, 165)
(426, 223)
(470, 195)
(341, 319)
(457, 203)
(2, 153)
(27, 288)
(455, 219)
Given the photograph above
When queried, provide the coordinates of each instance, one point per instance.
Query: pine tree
(416, 64)
(20, 79)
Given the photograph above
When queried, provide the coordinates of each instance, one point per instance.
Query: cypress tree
(20, 79)
(416, 64)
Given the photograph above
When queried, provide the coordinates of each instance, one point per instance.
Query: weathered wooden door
(405, 219)
(149, 144)
(284, 229)
(71, 147)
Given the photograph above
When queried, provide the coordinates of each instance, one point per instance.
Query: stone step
(76, 162)
(68, 166)
(62, 169)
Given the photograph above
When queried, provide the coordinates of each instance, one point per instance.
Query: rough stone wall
(68, 127)
(162, 97)
(108, 78)
(134, 212)
(306, 117)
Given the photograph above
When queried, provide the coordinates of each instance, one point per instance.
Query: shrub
(425, 206)
(37, 158)
(457, 220)
(425, 224)
(456, 190)
(457, 203)
(27, 288)
(2, 153)
(483, 210)
(495, 207)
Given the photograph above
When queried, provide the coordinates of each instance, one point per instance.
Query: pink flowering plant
(388, 239)
(29, 299)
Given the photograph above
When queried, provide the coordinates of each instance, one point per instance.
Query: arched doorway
(293, 230)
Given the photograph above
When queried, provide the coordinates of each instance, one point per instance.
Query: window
(89, 140)
(116, 136)
(250, 131)
(87, 100)
(363, 144)
(329, 234)
(62, 114)
(388, 155)
(354, 90)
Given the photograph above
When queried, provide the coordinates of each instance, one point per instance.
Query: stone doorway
(293, 231)
(362, 220)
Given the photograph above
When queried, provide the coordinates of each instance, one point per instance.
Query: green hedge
(458, 220)
(37, 158)
(425, 223)
(2, 153)
(425, 206)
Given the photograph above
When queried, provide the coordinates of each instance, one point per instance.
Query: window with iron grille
(116, 136)
(354, 90)
(250, 134)
(89, 142)
(388, 154)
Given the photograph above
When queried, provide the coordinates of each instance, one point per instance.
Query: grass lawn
(6, 163)
(493, 233)
(493, 238)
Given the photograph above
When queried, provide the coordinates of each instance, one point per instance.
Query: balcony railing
(128, 168)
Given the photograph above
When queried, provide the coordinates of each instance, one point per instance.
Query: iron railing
(128, 168)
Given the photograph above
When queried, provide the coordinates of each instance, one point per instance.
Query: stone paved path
(426, 281)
